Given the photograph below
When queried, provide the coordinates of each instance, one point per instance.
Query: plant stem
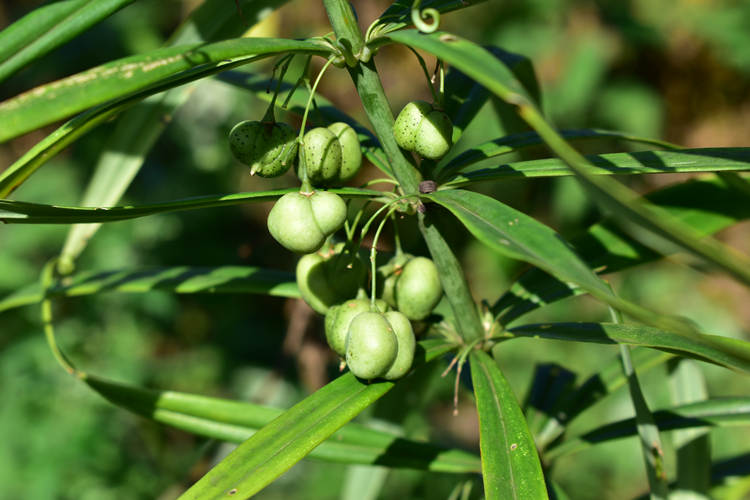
(370, 90)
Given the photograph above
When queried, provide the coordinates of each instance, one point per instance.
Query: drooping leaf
(510, 463)
(236, 421)
(48, 27)
(516, 235)
(723, 351)
(178, 279)
(642, 162)
(19, 212)
(713, 412)
(138, 128)
(630, 209)
(706, 205)
(290, 437)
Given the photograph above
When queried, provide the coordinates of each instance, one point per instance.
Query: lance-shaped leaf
(19, 212)
(510, 463)
(222, 56)
(516, 235)
(138, 128)
(177, 279)
(642, 162)
(236, 421)
(629, 208)
(726, 412)
(706, 205)
(48, 27)
(723, 351)
(60, 99)
(290, 437)
(517, 142)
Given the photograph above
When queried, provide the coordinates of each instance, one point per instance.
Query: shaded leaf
(723, 351)
(48, 27)
(290, 437)
(236, 421)
(19, 212)
(510, 463)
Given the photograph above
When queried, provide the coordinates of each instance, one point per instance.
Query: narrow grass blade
(727, 412)
(290, 437)
(48, 27)
(630, 209)
(706, 205)
(510, 463)
(516, 142)
(723, 351)
(19, 212)
(139, 128)
(642, 162)
(236, 421)
(692, 446)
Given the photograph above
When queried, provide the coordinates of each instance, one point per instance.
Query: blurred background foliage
(677, 69)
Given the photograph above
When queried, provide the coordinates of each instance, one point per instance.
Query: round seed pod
(328, 279)
(424, 130)
(332, 154)
(371, 345)
(407, 343)
(301, 222)
(322, 152)
(339, 318)
(418, 289)
(268, 148)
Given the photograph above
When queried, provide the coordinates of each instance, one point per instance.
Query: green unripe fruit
(339, 318)
(322, 155)
(301, 222)
(328, 279)
(332, 154)
(268, 148)
(389, 274)
(351, 154)
(418, 288)
(371, 345)
(424, 130)
(407, 343)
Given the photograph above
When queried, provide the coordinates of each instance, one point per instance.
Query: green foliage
(467, 184)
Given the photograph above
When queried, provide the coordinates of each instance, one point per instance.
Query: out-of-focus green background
(676, 69)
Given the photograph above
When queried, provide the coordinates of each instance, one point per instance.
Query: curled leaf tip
(418, 17)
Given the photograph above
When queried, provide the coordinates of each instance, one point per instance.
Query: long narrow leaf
(18, 212)
(706, 205)
(138, 128)
(177, 279)
(236, 421)
(723, 351)
(290, 437)
(516, 142)
(48, 27)
(57, 100)
(643, 162)
(710, 413)
(510, 463)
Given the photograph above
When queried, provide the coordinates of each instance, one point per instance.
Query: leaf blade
(510, 463)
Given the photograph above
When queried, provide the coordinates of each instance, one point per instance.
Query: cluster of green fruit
(376, 342)
(376, 339)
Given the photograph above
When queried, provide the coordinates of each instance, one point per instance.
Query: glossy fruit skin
(327, 279)
(411, 285)
(380, 345)
(371, 345)
(301, 222)
(268, 148)
(339, 318)
(332, 154)
(424, 130)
